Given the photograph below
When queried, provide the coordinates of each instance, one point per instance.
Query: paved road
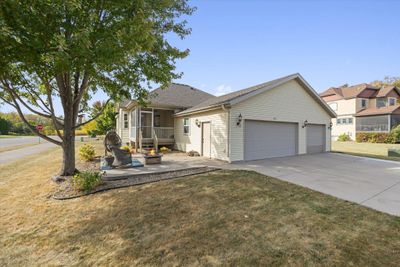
(7, 142)
(9, 156)
(369, 182)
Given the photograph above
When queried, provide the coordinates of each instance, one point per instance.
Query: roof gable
(242, 95)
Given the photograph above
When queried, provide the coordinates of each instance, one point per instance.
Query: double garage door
(264, 139)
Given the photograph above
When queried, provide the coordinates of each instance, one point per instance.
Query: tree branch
(31, 127)
(15, 96)
(95, 117)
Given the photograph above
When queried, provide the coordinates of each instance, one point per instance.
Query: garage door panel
(315, 139)
(269, 139)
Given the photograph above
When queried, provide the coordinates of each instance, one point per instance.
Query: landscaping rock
(193, 154)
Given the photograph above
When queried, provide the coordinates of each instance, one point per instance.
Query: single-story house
(282, 117)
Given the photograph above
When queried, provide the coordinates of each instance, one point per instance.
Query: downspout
(229, 131)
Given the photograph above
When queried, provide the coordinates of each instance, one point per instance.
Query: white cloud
(223, 89)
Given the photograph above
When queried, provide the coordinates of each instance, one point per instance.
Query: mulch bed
(66, 191)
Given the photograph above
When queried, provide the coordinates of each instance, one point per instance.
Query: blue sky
(236, 44)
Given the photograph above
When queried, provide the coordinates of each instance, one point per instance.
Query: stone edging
(136, 179)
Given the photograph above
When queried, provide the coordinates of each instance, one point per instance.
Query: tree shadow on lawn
(229, 217)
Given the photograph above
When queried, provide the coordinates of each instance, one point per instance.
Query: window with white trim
(363, 103)
(126, 123)
(392, 101)
(186, 126)
(338, 121)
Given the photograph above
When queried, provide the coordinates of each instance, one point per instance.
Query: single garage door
(315, 138)
(269, 139)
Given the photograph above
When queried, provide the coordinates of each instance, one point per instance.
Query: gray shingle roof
(178, 95)
(225, 99)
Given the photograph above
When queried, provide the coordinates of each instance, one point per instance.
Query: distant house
(363, 108)
(283, 117)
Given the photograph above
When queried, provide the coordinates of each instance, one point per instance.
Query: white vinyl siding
(289, 102)
(219, 133)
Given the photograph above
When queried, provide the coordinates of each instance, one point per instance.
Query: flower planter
(152, 159)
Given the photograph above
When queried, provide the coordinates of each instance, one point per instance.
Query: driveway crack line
(375, 195)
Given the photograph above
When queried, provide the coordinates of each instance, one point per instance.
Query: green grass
(9, 136)
(365, 149)
(237, 218)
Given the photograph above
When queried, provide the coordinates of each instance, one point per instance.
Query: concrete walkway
(369, 182)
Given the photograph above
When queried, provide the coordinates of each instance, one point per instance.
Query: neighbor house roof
(175, 96)
(379, 111)
(238, 96)
(360, 90)
(347, 92)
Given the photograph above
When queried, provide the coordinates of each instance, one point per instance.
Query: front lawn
(365, 149)
(225, 217)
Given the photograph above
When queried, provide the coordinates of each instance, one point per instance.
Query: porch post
(138, 122)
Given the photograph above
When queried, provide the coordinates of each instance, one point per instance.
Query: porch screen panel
(373, 124)
(395, 120)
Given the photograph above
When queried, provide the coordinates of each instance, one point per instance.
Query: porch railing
(149, 132)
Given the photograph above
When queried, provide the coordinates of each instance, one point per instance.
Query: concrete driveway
(369, 182)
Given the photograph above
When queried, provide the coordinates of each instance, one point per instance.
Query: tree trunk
(68, 164)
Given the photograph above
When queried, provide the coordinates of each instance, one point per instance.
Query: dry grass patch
(225, 217)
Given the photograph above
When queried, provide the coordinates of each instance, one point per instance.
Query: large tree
(66, 50)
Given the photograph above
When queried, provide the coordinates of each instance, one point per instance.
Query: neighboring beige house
(363, 108)
(283, 117)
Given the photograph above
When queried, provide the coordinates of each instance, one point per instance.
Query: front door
(206, 139)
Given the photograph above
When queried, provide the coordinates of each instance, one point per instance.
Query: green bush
(126, 148)
(373, 138)
(87, 180)
(164, 149)
(344, 137)
(394, 137)
(86, 152)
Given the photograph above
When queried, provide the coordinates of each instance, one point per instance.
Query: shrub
(344, 137)
(86, 180)
(86, 152)
(395, 134)
(164, 149)
(126, 148)
(373, 138)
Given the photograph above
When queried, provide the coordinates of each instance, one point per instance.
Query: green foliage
(87, 180)
(107, 120)
(394, 136)
(344, 137)
(387, 80)
(127, 148)
(373, 138)
(66, 51)
(164, 149)
(90, 128)
(87, 152)
(5, 125)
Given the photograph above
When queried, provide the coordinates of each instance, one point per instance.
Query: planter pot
(152, 159)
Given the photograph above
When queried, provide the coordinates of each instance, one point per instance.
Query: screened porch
(152, 124)
(382, 123)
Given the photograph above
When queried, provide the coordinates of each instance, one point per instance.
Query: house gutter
(222, 106)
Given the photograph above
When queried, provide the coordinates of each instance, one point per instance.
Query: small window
(381, 102)
(392, 101)
(363, 103)
(333, 106)
(186, 126)
(344, 121)
(126, 120)
(350, 120)
(338, 121)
